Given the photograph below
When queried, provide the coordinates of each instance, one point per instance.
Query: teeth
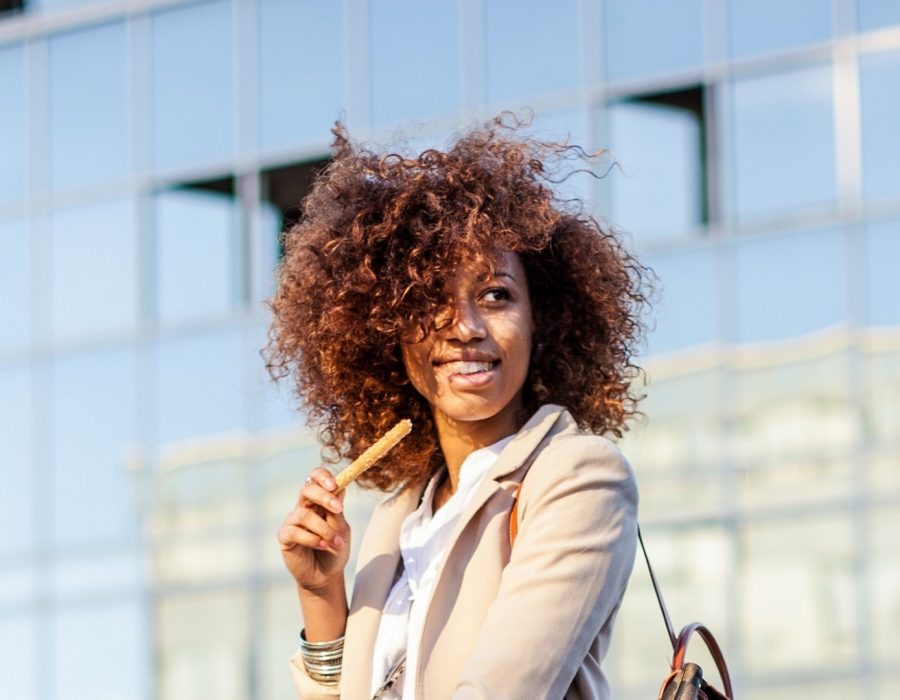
(467, 367)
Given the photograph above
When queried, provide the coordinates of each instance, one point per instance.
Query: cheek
(415, 360)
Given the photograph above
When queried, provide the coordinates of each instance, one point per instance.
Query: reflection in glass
(882, 402)
(879, 78)
(515, 70)
(17, 493)
(760, 26)
(685, 316)
(193, 92)
(195, 234)
(874, 14)
(415, 60)
(798, 595)
(801, 410)
(281, 620)
(783, 142)
(88, 106)
(301, 74)
(694, 568)
(17, 662)
(93, 428)
(677, 449)
(882, 253)
(204, 646)
(14, 134)
(99, 651)
(885, 582)
(789, 285)
(15, 280)
(658, 186)
(94, 271)
(645, 36)
(199, 384)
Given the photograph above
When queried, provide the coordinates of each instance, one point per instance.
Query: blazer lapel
(513, 456)
(378, 559)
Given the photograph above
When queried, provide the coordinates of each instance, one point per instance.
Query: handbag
(685, 680)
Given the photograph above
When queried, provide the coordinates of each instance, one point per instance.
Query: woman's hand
(315, 536)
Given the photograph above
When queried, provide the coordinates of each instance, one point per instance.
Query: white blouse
(424, 537)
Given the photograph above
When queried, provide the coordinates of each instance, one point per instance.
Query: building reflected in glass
(152, 150)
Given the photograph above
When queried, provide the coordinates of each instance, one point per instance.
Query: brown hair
(368, 261)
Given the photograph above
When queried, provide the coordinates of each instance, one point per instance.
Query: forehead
(487, 265)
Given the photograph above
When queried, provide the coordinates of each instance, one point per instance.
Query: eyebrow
(485, 277)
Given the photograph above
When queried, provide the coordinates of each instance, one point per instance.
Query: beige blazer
(531, 623)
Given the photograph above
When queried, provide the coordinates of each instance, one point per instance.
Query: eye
(496, 294)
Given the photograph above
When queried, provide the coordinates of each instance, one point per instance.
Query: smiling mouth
(466, 368)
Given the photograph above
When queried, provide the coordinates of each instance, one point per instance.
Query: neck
(458, 439)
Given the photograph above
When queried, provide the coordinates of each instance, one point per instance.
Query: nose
(467, 324)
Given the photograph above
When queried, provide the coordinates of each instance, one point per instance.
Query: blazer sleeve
(307, 688)
(566, 575)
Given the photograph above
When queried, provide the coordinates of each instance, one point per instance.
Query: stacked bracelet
(322, 660)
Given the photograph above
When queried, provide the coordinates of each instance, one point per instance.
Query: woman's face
(474, 367)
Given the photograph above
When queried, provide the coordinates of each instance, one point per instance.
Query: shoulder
(578, 458)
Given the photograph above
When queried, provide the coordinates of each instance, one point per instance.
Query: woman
(457, 290)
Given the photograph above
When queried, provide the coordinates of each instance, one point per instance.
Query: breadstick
(376, 451)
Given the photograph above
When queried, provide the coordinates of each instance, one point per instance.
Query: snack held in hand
(379, 449)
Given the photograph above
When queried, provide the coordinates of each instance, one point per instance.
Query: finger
(313, 493)
(323, 478)
(316, 524)
(289, 536)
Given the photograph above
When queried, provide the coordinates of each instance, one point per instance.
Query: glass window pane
(18, 666)
(885, 582)
(759, 26)
(199, 379)
(686, 313)
(882, 406)
(204, 646)
(89, 106)
(879, 79)
(877, 13)
(301, 70)
(195, 235)
(659, 149)
(193, 92)
(694, 568)
(16, 482)
(107, 570)
(783, 142)
(789, 285)
(15, 281)
(14, 134)
(778, 406)
(882, 253)
(649, 36)
(798, 607)
(59, 4)
(415, 60)
(281, 622)
(99, 652)
(93, 428)
(94, 271)
(515, 70)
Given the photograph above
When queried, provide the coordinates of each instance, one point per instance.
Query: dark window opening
(222, 185)
(692, 101)
(284, 188)
(11, 6)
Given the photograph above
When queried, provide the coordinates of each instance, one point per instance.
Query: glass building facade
(150, 152)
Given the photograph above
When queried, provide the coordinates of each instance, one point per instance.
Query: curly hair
(370, 258)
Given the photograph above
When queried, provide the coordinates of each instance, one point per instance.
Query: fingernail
(338, 541)
(323, 544)
(336, 505)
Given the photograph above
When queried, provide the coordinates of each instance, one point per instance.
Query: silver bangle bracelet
(322, 660)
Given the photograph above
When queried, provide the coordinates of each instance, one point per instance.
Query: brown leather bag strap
(715, 651)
